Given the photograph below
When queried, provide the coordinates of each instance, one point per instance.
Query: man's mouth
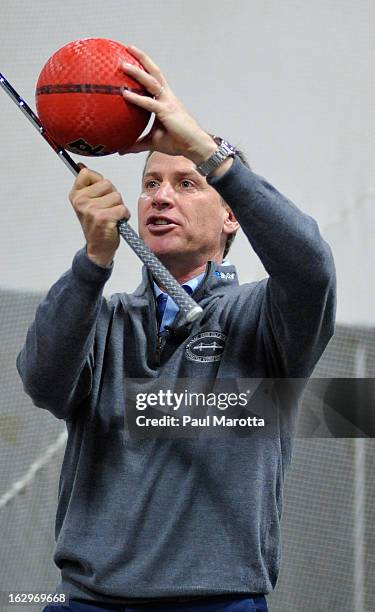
(158, 225)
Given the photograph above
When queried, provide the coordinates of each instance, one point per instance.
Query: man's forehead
(161, 163)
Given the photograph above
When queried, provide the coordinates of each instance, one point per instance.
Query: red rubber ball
(79, 98)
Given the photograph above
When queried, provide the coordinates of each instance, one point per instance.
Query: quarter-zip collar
(216, 279)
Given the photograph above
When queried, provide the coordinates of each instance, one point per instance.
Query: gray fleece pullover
(153, 519)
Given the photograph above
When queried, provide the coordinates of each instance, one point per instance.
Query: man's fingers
(149, 104)
(83, 204)
(95, 190)
(82, 196)
(108, 201)
(86, 177)
(148, 64)
(149, 82)
(152, 80)
(99, 207)
(114, 213)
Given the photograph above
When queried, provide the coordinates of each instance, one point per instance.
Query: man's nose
(163, 196)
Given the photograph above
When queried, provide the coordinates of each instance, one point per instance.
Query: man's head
(182, 218)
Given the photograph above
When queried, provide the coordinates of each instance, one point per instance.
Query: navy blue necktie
(161, 302)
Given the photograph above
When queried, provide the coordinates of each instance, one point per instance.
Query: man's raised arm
(299, 305)
(57, 360)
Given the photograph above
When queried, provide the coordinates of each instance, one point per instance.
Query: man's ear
(231, 224)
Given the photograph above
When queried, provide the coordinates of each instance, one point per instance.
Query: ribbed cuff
(88, 271)
(216, 180)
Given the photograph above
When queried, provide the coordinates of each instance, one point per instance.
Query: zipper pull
(159, 347)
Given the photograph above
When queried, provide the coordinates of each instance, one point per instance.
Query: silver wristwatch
(224, 150)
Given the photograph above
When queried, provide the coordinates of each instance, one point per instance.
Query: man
(175, 523)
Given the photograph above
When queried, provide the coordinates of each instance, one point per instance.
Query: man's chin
(163, 248)
(169, 255)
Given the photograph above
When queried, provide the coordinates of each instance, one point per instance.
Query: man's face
(179, 214)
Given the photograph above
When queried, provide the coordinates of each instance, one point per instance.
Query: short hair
(241, 155)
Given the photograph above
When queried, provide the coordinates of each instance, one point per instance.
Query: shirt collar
(192, 283)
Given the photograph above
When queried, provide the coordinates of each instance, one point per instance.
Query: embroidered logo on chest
(225, 275)
(206, 346)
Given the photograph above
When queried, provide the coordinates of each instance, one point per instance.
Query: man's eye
(150, 184)
(185, 183)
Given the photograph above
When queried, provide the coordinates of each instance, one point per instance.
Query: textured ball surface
(79, 98)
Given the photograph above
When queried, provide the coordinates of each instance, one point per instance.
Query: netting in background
(31, 451)
(328, 558)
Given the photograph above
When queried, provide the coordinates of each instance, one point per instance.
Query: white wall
(290, 82)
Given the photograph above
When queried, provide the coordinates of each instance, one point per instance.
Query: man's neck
(183, 274)
(187, 267)
(184, 271)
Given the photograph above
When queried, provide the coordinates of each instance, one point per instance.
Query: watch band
(224, 150)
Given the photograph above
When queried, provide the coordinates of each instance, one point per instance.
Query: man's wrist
(203, 149)
(206, 148)
(103, 261)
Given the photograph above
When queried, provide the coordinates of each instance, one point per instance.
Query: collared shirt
(171, 308)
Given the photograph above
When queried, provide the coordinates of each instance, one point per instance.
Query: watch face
(221, 141)
(229, 146)
(226, 144)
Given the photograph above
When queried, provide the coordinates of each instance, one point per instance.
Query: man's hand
(98, 207)
(174, 131)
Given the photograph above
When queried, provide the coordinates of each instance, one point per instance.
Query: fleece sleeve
(57, 359)
(298, 307)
